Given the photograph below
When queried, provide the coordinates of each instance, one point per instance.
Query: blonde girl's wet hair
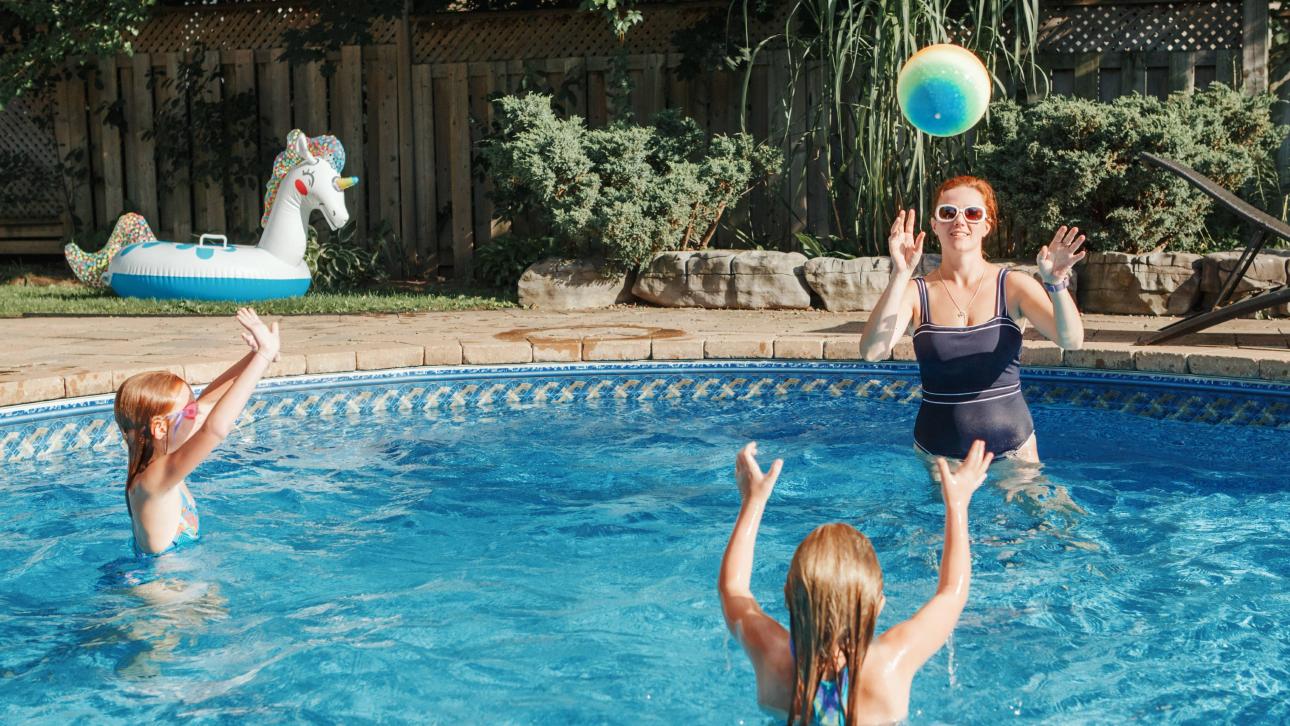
(139, 400)
(833, 593)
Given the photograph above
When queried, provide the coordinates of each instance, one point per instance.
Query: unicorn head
(306, 176)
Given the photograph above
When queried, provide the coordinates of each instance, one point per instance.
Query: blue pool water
(556, 563)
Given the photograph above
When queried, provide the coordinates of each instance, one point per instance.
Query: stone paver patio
(47, 358)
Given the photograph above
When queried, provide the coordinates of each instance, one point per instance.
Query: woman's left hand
(1057, 258)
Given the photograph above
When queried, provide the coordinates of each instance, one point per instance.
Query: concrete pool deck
(47, 358)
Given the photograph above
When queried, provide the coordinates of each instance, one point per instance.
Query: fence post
(110, 151)
(1254, 46)
(407, 191)
(177, 198)
(457, 103)
(423, 147)
(141, 177)
(347, 118)
(210, 194)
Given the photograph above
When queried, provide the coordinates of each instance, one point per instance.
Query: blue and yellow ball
(943, 90)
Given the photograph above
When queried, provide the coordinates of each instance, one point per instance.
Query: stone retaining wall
(1161, 283)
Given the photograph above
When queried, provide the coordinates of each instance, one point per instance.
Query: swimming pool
(540, 545)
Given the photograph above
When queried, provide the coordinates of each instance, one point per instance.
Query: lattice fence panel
(33, 165)
(463, 38)
(232, 28)
(1189, 26)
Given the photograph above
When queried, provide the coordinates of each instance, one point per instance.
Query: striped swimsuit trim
(988, 394)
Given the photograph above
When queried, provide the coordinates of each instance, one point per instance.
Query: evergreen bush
(623, 192)
(1066, 160)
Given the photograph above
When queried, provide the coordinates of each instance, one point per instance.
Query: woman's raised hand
(1056, 258)
(957, 486)
(904, 247)
(753, 483)
(261, 338)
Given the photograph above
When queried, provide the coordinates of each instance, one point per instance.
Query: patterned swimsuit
(185, 534)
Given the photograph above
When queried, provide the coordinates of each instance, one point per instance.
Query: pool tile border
(42, 429)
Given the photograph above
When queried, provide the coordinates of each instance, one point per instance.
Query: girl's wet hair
(833, 593)
(139, 400)
(979, 184)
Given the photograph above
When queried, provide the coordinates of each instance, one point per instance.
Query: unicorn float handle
(306, 177)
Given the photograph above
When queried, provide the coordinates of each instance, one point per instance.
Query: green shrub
(1072, 161)
(499, 262)
(345, 260)
(338, 263)
(623, 192)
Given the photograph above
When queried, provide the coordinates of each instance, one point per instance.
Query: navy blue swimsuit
(971, 382)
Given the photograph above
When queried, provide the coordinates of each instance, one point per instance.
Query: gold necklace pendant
(962, 313)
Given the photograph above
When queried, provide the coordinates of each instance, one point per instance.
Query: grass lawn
(48, 288)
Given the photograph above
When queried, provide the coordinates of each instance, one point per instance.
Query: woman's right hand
(262, 339)
(957, 486)
(904, 247)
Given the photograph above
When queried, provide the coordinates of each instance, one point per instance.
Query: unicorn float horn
(345, 182)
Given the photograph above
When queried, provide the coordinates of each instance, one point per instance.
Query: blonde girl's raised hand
(905, 248)
(263, 339)
(754, 484)
(957, 486)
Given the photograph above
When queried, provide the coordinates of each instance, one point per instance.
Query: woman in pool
(968, 317)
(168, 431)
(828, 669)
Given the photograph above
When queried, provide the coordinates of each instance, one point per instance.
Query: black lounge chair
(1265, 226)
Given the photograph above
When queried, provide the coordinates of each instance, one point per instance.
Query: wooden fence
(412, 149)
(411, 107)
(1102, 51)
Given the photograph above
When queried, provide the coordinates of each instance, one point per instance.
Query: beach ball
(943, 89)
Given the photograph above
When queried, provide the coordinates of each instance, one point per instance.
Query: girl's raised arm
(764, 640)
(917, 639)
(219, 423)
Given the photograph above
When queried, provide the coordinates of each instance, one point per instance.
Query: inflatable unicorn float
(306, 176)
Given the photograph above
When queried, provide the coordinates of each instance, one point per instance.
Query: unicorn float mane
(326, 147)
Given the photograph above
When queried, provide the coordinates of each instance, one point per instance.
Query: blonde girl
(827, 668)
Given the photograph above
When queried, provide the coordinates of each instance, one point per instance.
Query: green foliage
(500, 262)
(813, 246)
(348, 260)
(623, 192)
(843, 59)
(337, 263)
(37, 37)
(621, 14)
(1073, 161)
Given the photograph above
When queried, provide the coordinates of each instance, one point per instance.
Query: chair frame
(1265, 226)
